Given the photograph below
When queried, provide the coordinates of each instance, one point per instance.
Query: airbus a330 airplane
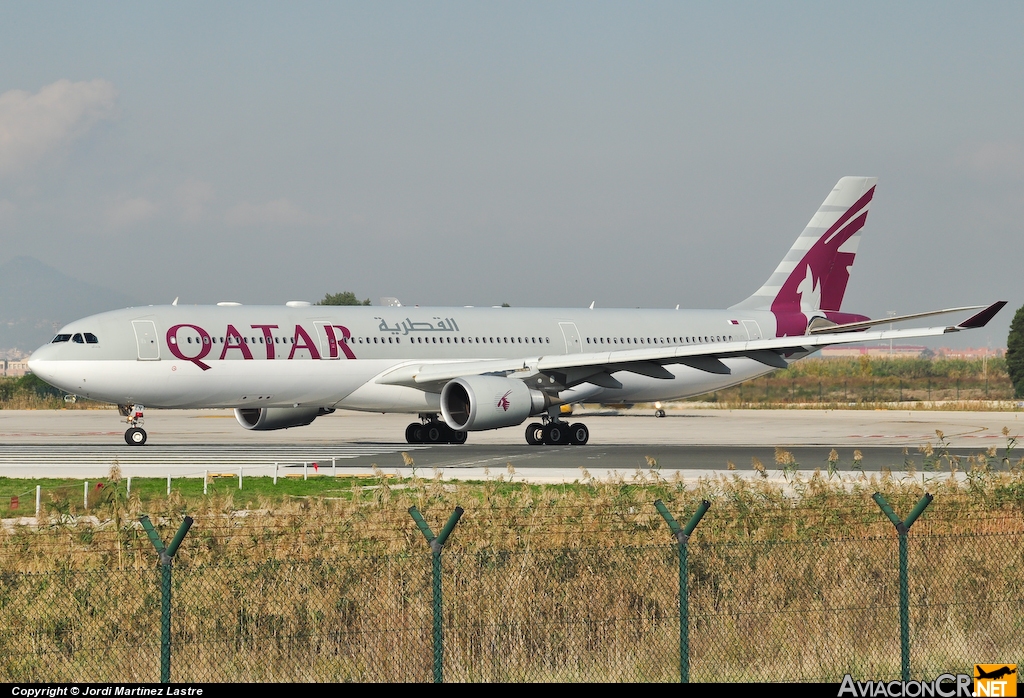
(478, 368)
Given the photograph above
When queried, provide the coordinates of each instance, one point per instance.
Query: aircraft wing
(596, 367)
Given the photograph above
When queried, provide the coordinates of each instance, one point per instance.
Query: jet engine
(270, 418)
(476, 403)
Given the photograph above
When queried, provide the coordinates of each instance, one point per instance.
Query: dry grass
(541, 583)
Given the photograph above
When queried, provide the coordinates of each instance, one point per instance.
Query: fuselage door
(572, 338)
(145, 337)
(328, 336)
(753, 329)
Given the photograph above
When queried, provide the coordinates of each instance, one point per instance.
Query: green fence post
(436, 544)
(682, 536)
(902, 528)
(166, 558)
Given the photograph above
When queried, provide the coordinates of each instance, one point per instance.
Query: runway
(690, 442)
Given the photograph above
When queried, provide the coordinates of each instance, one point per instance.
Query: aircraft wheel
(433, 434)
(555, 434)
(659, 413)
(535, 434)
(136, 436)
(579, 434)
(459, 437)
(414, 433)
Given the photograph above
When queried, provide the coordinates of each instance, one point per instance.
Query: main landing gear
(557, 433)
(136, 435)
(432, 430)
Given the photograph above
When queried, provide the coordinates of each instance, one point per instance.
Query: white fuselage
(331, 356)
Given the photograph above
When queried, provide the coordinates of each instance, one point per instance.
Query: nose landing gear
(136, 435)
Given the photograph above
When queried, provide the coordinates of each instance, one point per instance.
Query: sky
(634, 154)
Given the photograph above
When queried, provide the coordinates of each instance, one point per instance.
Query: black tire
(414, 433)
(556, 434)
(434, 433)
(659, 413)
(135, 436)
(535, 434)
(579, 434)
(459, 437)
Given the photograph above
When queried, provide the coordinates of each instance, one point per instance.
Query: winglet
(981, 319)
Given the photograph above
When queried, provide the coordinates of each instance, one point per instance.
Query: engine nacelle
(476, 403)
(270, 418)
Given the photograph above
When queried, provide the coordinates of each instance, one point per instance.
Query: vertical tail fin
(813, 274)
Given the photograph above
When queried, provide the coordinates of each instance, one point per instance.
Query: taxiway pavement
(693, 441)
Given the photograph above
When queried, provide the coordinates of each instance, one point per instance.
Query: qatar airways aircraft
(471, 369)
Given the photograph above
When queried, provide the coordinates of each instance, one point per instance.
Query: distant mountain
(36, 299)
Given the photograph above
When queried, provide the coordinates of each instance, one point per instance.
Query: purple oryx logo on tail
(818, 281)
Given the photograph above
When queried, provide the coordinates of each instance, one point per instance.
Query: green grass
(67, 495)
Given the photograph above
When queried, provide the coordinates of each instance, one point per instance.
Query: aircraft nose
(41, 362)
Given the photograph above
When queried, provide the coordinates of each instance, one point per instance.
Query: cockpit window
(77, 339)
(61, 338)
(90, 338)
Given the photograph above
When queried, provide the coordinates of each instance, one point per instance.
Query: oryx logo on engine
(503, 402)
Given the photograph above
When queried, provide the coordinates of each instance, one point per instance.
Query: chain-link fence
(758, 611)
